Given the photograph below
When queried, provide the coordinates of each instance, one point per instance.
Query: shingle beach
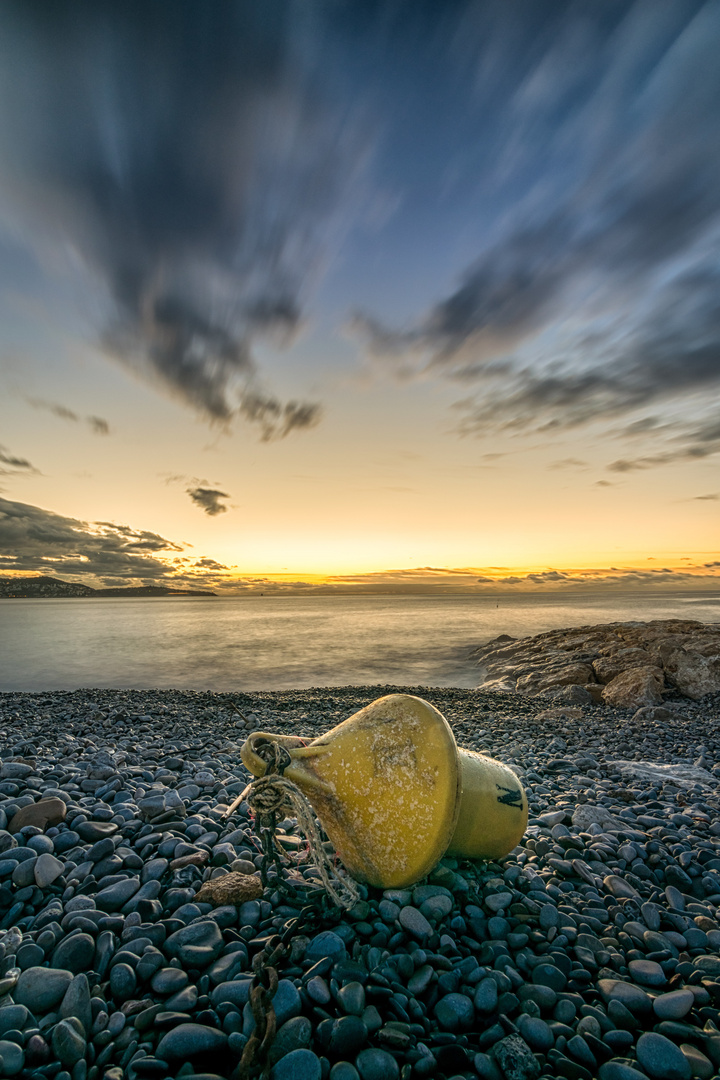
(593, 949)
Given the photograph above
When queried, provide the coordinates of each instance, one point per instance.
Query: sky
(360, 296)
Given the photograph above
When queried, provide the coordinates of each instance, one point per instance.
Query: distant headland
(43, 587)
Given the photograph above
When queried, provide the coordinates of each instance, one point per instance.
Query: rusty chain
(255, 1060)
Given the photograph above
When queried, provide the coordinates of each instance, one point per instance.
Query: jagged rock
(231, 888)
(693, 674)
(607, 668)
(569, 675)
(636, 687)
(588, 660)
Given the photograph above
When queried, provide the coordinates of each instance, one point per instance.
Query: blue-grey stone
(196, 945)
(113, 897)
(90, 831)
(619, 1070)
(536, 1033)
(662, 1059)
(632, 997)
(344, 1070)
(287, 1003)
(169, 980)
(295, 1034)
(437, 907)
(297, 1065)
(13, 1018)
(190, 1041)
(413, 920)
(76, 1002)
(548, 975)
(347, 1036)
(325, 944)
(101, 850)
(123, 982)
(12, 1057)
(184, 1001)
(47, 870)
(318, 990)
(454, 1012)
(549, 916)
(581, 1052)
(647, 973)
(351, 998)
(68, 1041)
(75, 953)
(374, 1064)
(708, 965)
(674, 1005)
(236, 992)
(29, 955)
(486, 995)
(41, 989)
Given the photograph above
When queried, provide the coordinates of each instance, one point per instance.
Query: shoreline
(589, 949)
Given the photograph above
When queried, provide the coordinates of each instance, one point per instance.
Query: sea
(279, 643)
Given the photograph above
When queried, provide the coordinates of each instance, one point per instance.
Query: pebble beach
(591, 950)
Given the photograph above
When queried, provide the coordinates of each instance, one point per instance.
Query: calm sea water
(280, 642)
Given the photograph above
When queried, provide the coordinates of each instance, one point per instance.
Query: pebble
(297, 1065)
(647, 973)
(75, 953)
(454, 1012)
(674, 1005)
(41, 989)
(662, 1059)
(599, 927)
(47, 870)
(12, 1057)
(189, 1041)
(68, 1041)
(373, 1064)
(413, 920)
(486, 996)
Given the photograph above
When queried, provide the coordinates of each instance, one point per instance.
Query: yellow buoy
(395, 793)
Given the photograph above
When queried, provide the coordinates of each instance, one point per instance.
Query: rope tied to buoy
(273, 797)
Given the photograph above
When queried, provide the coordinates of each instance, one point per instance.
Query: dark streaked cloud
(17, 464)
(39, 541)
(712, 497)
(597, 295)
(96, 423)
(275, 419)
(201, 158)
(209, 500)
(209, 564)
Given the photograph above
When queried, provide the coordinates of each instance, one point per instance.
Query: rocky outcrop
(629, 665)
(635, 687)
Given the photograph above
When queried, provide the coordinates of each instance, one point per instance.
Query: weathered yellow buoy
(395, 793)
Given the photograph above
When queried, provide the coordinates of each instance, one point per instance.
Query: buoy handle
(296, 749)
